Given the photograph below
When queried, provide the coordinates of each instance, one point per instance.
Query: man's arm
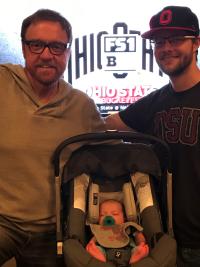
(114, 122)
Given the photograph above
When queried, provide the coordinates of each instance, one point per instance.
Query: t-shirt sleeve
(139, 115)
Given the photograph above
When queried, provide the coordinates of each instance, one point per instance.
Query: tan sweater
(30, 132)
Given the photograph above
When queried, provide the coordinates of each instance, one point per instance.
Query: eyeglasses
(37, 46)
(173, 41)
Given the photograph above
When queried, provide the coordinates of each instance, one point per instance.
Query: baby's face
(111, 208)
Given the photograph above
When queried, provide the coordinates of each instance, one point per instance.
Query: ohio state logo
(166, 17)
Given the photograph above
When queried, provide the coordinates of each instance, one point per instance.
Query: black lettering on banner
(111, 61)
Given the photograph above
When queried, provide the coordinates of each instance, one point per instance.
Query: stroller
(129, 167)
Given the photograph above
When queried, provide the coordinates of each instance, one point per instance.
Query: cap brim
(155, 32)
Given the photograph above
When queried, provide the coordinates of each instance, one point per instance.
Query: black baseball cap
(178, 18)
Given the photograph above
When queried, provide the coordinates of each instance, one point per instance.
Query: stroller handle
(126, 136)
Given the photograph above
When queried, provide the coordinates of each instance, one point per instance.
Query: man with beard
(38, 110)
(173, 114)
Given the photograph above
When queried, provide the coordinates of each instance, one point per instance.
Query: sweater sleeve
(93, 117)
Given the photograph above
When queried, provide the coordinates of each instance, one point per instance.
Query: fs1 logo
(118, 50)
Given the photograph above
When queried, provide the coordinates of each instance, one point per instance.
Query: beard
(183, 61)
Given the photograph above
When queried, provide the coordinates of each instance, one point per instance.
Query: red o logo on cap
(166, 17)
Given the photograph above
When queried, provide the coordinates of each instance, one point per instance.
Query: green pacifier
(108, 221)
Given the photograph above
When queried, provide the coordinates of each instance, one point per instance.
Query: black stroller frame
(158, 151)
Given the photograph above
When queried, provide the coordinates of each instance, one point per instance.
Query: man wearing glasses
(173, 114)
(38, 110)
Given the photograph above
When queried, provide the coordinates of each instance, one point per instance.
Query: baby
(111, 213)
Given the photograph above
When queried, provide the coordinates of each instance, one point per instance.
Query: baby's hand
(139, 252)
(95, 251)
(139, 238)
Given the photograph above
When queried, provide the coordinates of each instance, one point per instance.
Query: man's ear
(196, 46)
(197, 41)
(23, 49)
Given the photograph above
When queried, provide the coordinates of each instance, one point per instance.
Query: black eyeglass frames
(37, 46)
(172, 40)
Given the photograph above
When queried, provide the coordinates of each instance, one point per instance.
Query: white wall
(85, 15)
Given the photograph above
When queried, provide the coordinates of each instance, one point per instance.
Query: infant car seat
(135, 171)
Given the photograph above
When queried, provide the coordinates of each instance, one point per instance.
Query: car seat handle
(126, 136)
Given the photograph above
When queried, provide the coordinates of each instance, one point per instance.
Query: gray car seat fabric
(163, 246)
